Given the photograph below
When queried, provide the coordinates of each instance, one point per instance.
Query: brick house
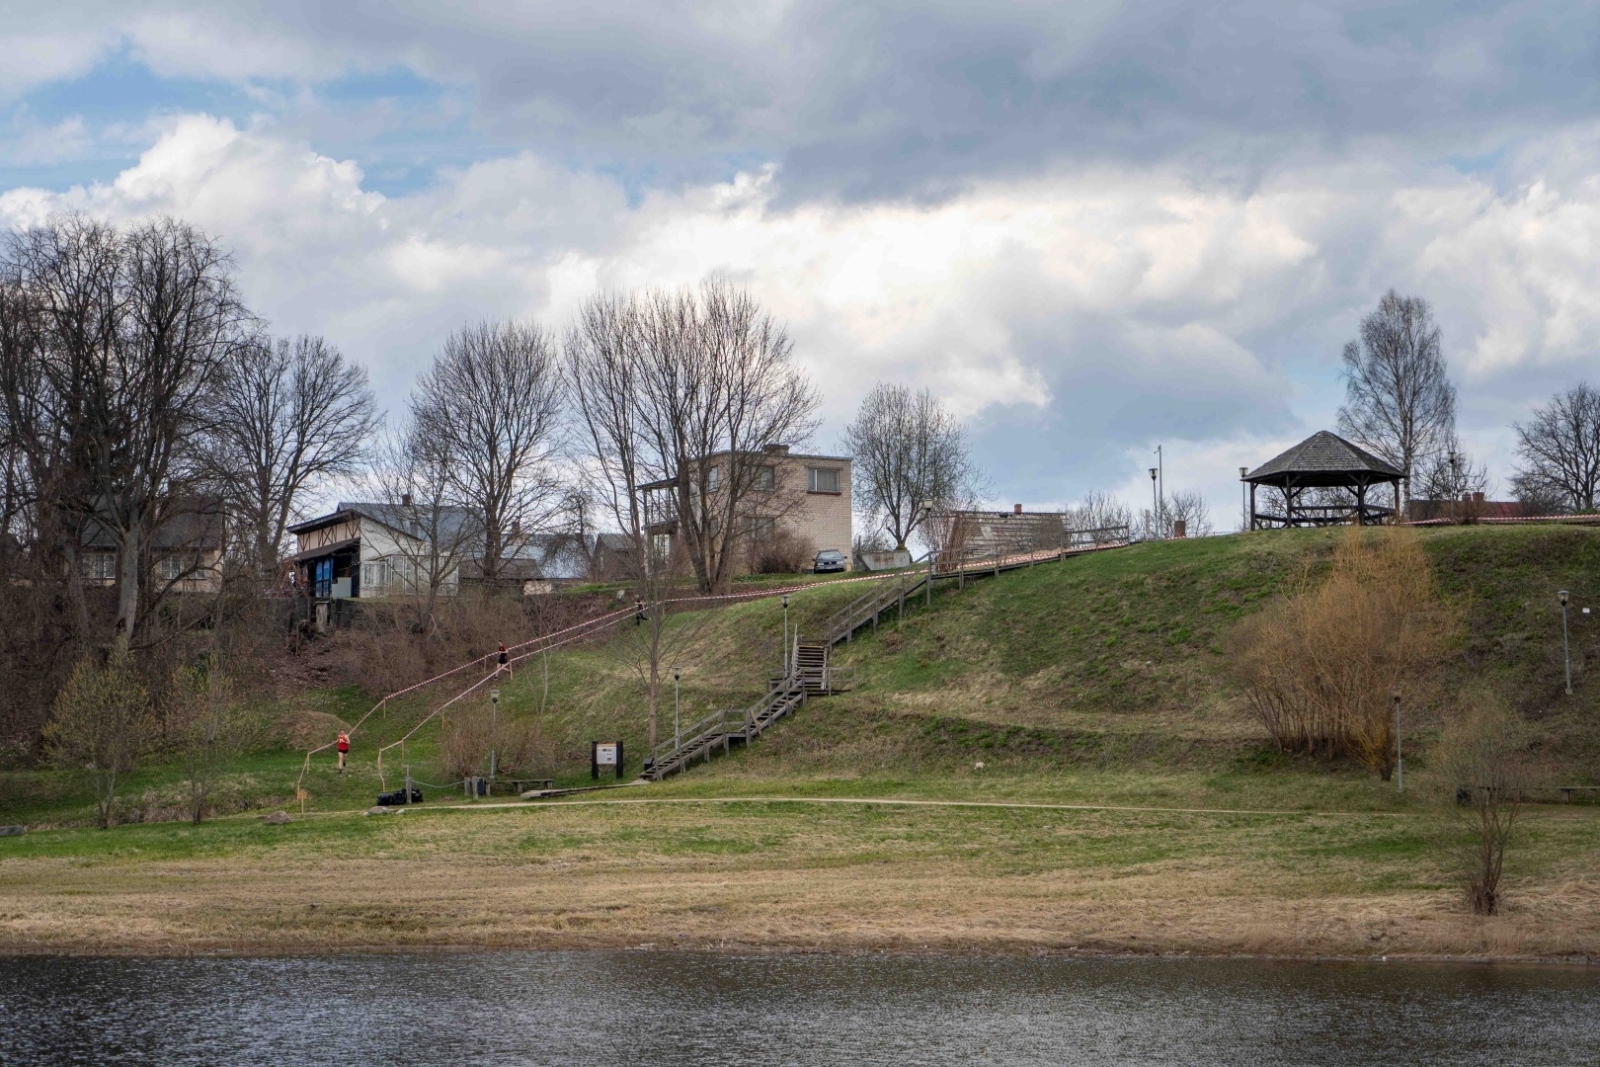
(795, 495)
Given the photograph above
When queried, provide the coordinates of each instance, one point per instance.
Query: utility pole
(1161, 491)
(1566, 644)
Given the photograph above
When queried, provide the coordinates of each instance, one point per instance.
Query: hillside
(1109, 662)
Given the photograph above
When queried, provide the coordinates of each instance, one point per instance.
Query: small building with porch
(1324, 481)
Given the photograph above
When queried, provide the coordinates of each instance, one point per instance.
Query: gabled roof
(1324, 459)
(452, 520)
(194, 525)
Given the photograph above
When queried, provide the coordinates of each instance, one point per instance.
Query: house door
(323, 582)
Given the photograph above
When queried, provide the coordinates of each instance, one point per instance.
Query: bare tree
(603, 364)
(415, 480)
(910, 456)
(492, 398)
(1559, 450)
(1189, 507)
(128, 327)
(1448, 479)
(1399, 400)
(287, 413)
(1484, 770)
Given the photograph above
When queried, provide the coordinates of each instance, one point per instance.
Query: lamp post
(494, 718)
(786, 635)
(1244, 498)
(1153, 504)
(677, 737)
(1161, 490)
(1399, 753)
(1566, 644)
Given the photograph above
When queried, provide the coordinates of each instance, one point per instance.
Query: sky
(1091, 228)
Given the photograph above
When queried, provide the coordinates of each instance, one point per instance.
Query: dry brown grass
(792, 876)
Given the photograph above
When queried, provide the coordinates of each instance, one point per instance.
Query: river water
(685, 1008)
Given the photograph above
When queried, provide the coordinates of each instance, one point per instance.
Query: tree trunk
(127, 592)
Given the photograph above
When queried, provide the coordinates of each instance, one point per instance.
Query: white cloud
(1114, 305)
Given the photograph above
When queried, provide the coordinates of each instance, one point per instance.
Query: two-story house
(801, 496)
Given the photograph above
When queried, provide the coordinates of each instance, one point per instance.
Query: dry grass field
(799, 873)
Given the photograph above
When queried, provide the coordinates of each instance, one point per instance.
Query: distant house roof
(197, 525)
(1324, 459)
(401, 519)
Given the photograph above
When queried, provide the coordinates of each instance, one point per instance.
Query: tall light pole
(1161, 489)
(1244, 498)
(786, 635)
(1566, 644)
(677, 736)
(1153, 504)
(494, 718)
(1399, 753)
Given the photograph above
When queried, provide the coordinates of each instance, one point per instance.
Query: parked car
(828, 561)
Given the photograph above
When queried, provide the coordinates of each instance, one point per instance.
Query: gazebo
(1325, 461)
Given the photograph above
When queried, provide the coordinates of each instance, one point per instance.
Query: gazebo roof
(1324, 459)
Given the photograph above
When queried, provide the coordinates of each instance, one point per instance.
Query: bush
(1485, 772)
(1320, 668)
(101, 723)
(785, 553)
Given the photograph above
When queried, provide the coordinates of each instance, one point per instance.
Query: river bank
(790, 874)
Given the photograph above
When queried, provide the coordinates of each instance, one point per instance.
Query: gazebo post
(1253, 525)
(1361, 505)
(1394, 520)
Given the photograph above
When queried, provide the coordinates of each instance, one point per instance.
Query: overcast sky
(1091, 227)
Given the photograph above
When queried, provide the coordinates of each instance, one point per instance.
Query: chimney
(775, 450)
(405, 500)
(1016, 509)
(1477, 498)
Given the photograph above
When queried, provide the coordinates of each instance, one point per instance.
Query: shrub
(101, 723)
(785, 553)
(1484, 772)
(1320, 667)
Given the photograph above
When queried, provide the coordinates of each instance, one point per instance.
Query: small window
(822, 479)
(170, 569)
(713, 478)
(101, 565)
(766, 478)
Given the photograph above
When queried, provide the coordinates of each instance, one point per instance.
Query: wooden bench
(1568, 790)
(523, 785)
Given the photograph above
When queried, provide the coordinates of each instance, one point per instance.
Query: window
(766, 478)
(761, 527)
(377, 579)
(822, 479)
(713, 478)
(170, 568)
(101, 565)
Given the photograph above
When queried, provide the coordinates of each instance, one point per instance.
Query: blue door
(324, 577)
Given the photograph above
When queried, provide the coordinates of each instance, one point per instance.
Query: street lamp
(494, 717)
(1399, 753)
(785, 656)
(1153, 502)
(1244, 497)
(677, 738)
(1566, 644)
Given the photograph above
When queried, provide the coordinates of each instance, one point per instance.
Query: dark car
(828, 561)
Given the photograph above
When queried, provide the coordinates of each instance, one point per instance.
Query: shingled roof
(1324, 459)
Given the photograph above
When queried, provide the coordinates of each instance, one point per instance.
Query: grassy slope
(1109, 665)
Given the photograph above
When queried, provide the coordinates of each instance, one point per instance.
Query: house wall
(824, 519)
(327, 535)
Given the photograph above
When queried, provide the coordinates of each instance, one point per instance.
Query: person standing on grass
(344, 749)
(505, 660)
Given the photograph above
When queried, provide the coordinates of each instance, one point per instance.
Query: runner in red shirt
(344, 749)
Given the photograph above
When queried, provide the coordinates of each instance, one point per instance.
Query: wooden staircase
(810, 674)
